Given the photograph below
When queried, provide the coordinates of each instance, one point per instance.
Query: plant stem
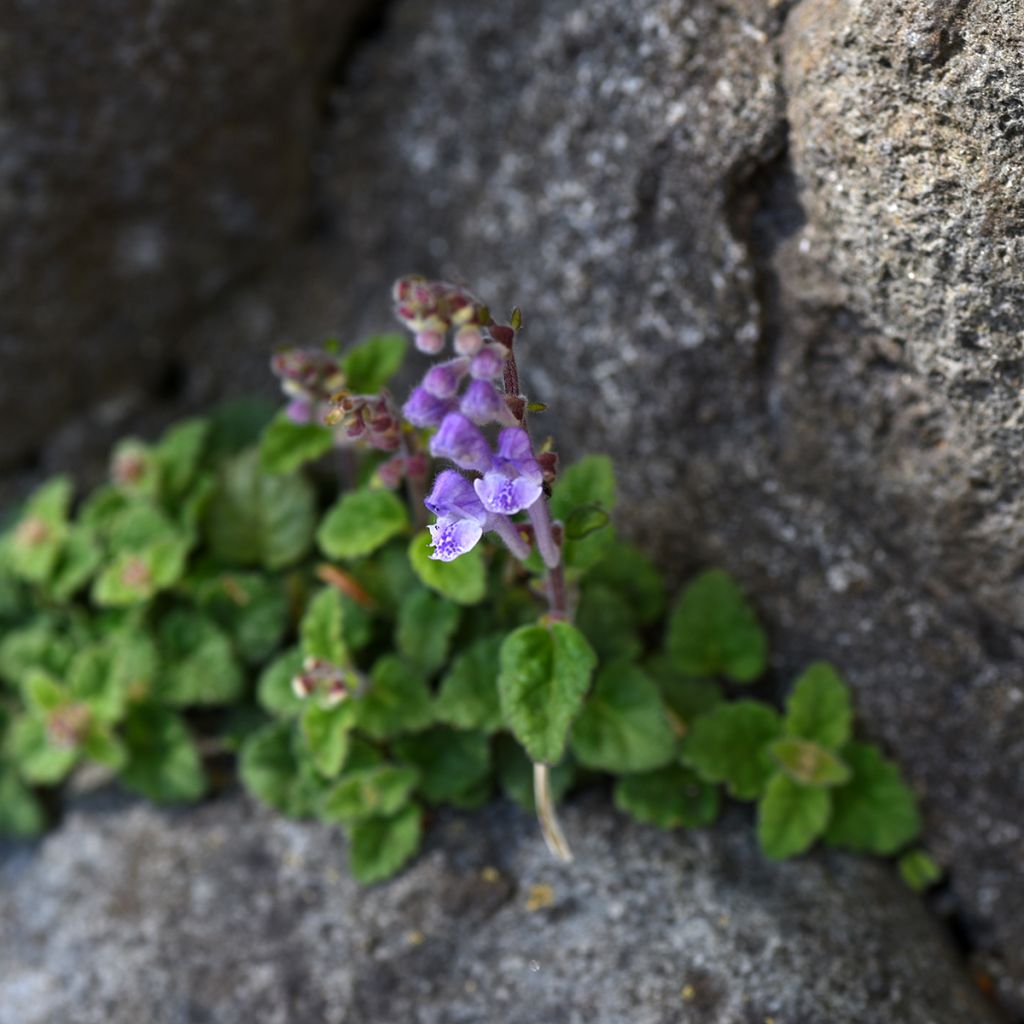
(551, 830)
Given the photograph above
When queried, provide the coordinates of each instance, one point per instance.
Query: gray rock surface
(229, 915)
(769, 256)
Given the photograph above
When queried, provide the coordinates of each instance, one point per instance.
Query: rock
(227, 914)
(153, 154)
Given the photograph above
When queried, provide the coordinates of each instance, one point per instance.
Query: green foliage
(919, 871)
(180, 611)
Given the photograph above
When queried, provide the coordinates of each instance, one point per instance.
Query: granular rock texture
(222, 914)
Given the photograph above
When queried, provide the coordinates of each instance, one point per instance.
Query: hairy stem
(551, 830)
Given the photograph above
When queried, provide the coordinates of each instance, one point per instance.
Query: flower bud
(443, 379)
(426, 410)
(468, 340)
(429, 342)
(487, 364)
(459, 440)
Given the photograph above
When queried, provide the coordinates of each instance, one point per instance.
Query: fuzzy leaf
(379, 847)
(730, 745)
(79, 559)
(326, 733)
(137, 575)
(35, 544)
(685, 697)
(39, 761)
(668, 797)
(450, 761)
(163, 763)
(397, 700)
(369, 365)
(544, 677)
(606, 620)
(179, 455)
(876, 811)
(713, 631)
(469, 691)
(818, 708)
(583, 488)
(426, 624)
(285, 446)
(360, 522)
(623, 727)
(274, 689)
(197, 663)
(790, 817)
(464, 580)
(250, 607)
(808, 763)
(93, 678)
(20, 812)
(255, 518)
(630, 574)
(321, 628)
(383, 789)
(271, 771)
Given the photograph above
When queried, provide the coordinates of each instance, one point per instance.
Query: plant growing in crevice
(461, 616)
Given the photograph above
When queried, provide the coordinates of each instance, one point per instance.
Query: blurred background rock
(769, 255)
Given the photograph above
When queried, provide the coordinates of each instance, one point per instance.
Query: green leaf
(730, 745)
(79, 559)
(713, 631)
(271, 771)
(818, 708)
(668, 797)
(321, 628)
(360, 522)
(686, 698)
(426, 624)
(274, 689)
(790, 817)
(586, 487)
(606, 621)
(237, 425)
(379, 847)
(39, 645)
(179, 455)
(39, 761)
(326, 732)
(809, 764)
(396, 701)
(163, 763)
(370, 365)
(463, 580)
(255, 518)
(623, 727)
(285, 446)
(93, 678)
(42, 693)
(134, 469)
(545, 674)
(630, 574)
(103, 747)
(36, 543)
(876, 811)
(20, 812)
(251, 607)
(137, 575)
(451, 762)
(383, 789)
(197, 663)
(468, 697)
(918, 870)
(515, 773)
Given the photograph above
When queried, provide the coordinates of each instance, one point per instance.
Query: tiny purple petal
(505, 495)
(443, 380)
(453, 497)
(453, 537)
(462, 442)
(430, 342)
(514, 450)
(426, 410)
(487, 364)
(482, 403)
(299, 411)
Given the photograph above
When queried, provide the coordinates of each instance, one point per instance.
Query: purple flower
(482, 403)
(299, 410)
(462, 442)
(426, 410)
(453, 537)
(487, 364)
(453, 497)
(443, 379)
(515, 480)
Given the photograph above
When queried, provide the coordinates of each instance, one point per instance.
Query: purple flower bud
(453, 497)
(462, 442)
(505, 495)
(514, 452)
(468, 340)
(430, 342)
(443, 379)
(425, 410)
(299, 411)
(482, 403)
(487, 364)
(453, 537)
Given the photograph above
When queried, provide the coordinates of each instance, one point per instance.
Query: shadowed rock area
(769, 259)
(230, 915)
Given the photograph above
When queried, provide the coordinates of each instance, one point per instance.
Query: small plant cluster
(271, 588)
